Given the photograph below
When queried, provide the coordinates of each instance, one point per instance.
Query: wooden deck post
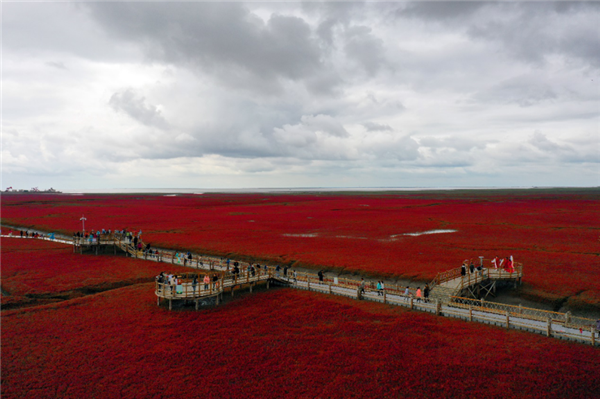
(196, 304)
(592, 330)
(507, 319)
(330, 288)
(157, 300)
(438, 307)
(411, 303)
(470, 313)
(308, 282)
(217, 299)
(170, 304)
(384, 297)
(549, 327)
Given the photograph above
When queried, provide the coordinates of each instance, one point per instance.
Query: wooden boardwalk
(478, 284)
(555, 324)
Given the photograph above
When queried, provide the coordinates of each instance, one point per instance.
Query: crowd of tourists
(28, 234)
(175, 283)
(507, 264)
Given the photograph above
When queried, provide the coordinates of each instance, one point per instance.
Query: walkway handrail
(448, 275)
(524, 312)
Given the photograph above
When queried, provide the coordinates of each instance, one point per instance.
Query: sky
(104, 95)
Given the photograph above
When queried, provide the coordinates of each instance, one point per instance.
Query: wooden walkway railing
(561, 325)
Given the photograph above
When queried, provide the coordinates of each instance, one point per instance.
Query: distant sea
(272, 190)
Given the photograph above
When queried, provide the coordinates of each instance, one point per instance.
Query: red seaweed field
(555, 235)
(276, 343)
(35, 271)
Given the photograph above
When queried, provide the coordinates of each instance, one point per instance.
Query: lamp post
(83, 219)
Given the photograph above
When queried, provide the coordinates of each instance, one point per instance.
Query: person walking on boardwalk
(206, 281)
(295, 276)
(382, 287)
(426, 293)
(418, 294)
(463, 269)
(407, 293)
(285, 269)
(320, 274)
(471, 267)
(194, 284)
(361, 287)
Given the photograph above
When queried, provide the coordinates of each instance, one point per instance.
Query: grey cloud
(454, 143)
(57, 28)
(441, 10)
(136, 107)
(523, 90)
(224, 39)
(374, 127)
(532, 31)
(550, 148)
(58, 65)
(364, 48)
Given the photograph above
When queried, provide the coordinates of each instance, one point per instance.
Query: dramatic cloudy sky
(202, 94)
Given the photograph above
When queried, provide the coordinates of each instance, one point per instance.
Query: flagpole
(83, 219)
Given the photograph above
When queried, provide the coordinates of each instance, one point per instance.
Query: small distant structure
(32, 190)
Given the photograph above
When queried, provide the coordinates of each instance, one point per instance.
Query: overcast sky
(114, 95)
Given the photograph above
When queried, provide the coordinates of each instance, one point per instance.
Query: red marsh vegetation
(277, 343)
(555, 235)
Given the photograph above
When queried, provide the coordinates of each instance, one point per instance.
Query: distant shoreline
(318, 190)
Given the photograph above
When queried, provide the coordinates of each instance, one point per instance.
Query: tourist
(418, 294)
(277, 269)
(215, 279)
(382, 288)
(426, 293)
(285, 269)
(295, 276)
(495, 262)
(463, 269)
(179, 285)
(171, 279)
(206, 281)
(379, 288)
(406, 293)
(194, 284)
(320, 274)
(361, 287)
(471, 267)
